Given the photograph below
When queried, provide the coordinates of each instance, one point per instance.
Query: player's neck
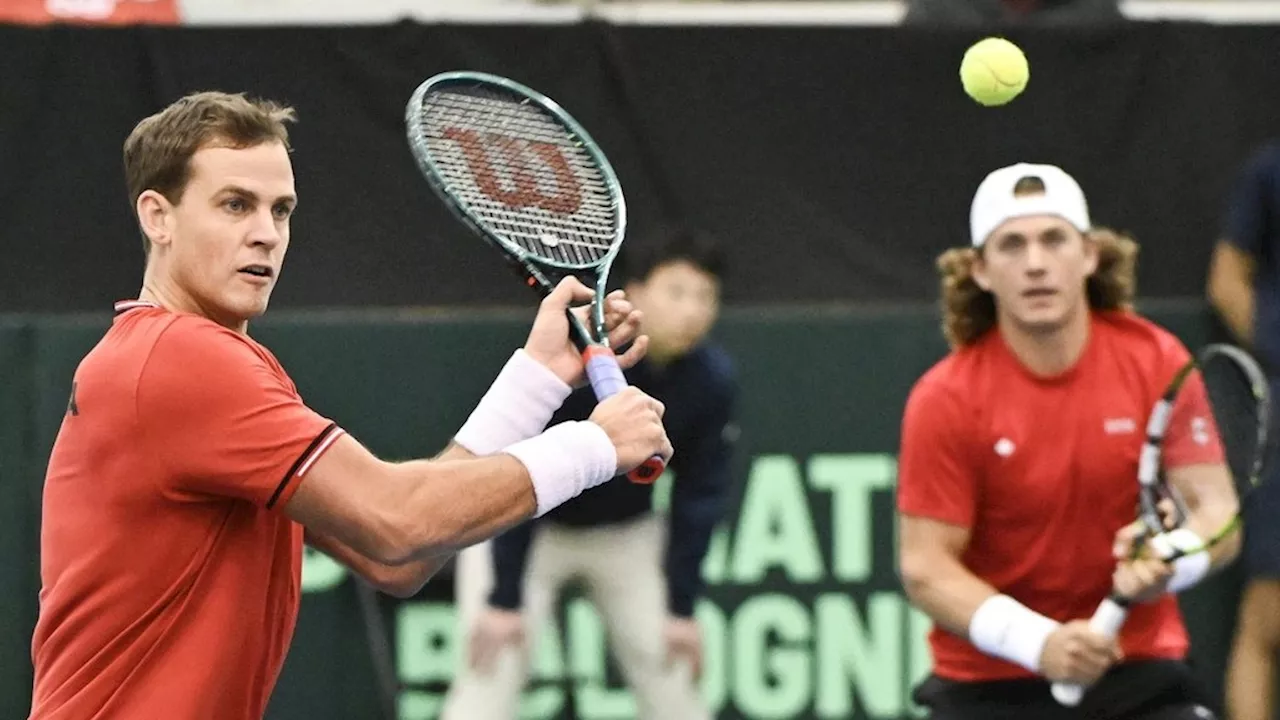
(160, 289)
(1051, 353)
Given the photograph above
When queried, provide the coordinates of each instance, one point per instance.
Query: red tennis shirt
(1043, 472)
(170, 578)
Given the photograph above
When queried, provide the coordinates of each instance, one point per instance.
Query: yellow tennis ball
(994, 71)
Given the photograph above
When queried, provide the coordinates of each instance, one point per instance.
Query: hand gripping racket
(1238, 396)
(514, 167)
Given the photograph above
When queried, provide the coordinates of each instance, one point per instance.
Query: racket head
(1240, 399)
(521, 172)
(1237, 396)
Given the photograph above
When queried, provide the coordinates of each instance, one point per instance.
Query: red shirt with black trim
(170, 577)
(1043, 473)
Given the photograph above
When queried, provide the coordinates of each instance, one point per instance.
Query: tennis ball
(994, 71)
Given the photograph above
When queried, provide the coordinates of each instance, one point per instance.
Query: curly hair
(968, 311)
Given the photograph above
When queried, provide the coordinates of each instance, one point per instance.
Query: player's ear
(1090, 254)
(978, 270)
(155, 217)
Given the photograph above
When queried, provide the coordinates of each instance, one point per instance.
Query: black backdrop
(837, 161)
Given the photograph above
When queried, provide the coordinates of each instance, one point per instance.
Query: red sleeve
(222, 420)
(936, 478)
(1192, 435)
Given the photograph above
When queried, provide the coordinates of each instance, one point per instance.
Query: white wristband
(565, 460)
(1188, 569)
(518, 405)
(1005, 628)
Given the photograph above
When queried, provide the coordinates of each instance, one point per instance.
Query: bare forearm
(414, 510)
(1206, 525)
(401, 581)
(959, 601)
(398, 513)
(1251, 674)
(1235, 305)
(1230, 289)
(948, 593)
(1250, 682)
(1211, 505)
(462, 502)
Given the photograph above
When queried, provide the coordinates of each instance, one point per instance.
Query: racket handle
(607, 380)
(603, 371)
(1106, 621)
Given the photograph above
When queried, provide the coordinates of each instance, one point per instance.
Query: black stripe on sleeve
(298, 463)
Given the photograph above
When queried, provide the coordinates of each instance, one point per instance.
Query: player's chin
(1042, 319)
(248, 306)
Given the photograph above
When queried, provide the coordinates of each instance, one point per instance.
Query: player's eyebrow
(248, 194)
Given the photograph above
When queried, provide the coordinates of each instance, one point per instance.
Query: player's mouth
(258, 273)
(1038, 293)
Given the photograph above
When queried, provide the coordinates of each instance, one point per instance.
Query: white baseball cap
(995, 202)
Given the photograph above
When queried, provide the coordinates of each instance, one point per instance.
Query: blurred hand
(684, 642)
(1124, 547)
(549, 341)
(494, 629)
(1076, 654)
(1142, 580)
(1141, 575)
(633, 421)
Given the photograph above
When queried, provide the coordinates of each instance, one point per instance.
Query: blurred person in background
(1244, 289)
(642, 577)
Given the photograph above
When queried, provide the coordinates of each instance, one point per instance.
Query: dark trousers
(1140, 690)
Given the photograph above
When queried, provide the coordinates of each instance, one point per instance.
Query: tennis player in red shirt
(1017, 486)
(187, 466)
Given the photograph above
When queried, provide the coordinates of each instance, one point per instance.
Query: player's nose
(1036, 258)
(265, 232)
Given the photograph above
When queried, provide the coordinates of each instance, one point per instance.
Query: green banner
(802, 617)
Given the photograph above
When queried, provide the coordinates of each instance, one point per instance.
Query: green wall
(803, 615)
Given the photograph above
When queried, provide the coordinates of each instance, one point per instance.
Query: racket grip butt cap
(1068, 694)
(648, 472)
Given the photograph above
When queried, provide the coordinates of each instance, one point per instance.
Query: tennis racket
(514, 167)
(1238, 396)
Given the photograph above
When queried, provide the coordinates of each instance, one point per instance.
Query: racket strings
(1236, 408)
(522, 171)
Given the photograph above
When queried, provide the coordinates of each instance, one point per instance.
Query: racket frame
(529, 265)
(593, 342)
(1149, 480)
